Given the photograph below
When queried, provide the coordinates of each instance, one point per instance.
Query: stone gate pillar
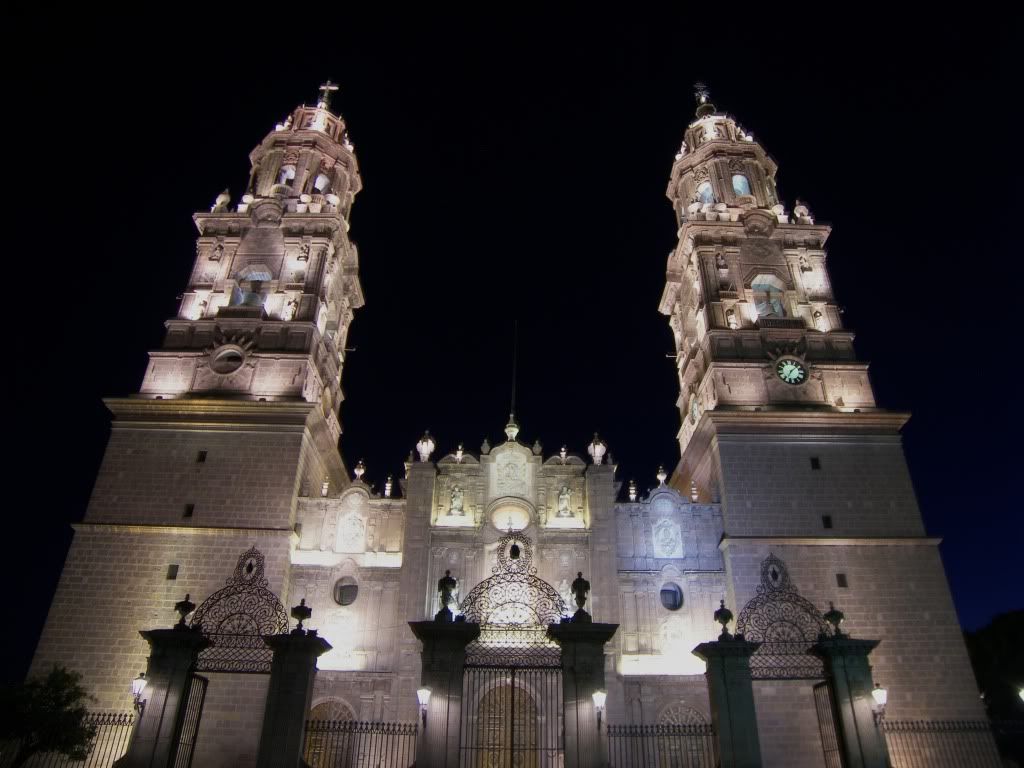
(582, 643)
(731, 691)
(849, 676)
(732, 701)
(443, 658)
(289, 694)
(172, 659)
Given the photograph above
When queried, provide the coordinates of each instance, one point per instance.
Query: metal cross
(701, 92)
(326, 90)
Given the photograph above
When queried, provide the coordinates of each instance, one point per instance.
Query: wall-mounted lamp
(881, 697)
(599, 699)
(423, 695)
(1021, 694)
(138, 688)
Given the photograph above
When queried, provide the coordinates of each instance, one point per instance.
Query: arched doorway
(507, 728)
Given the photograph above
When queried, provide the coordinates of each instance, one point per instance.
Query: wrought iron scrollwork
(235, 618)
(514, 595)
(786, 625)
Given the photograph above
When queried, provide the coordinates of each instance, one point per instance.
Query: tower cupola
(719, 166)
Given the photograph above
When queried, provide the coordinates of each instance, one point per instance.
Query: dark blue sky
(515, 169)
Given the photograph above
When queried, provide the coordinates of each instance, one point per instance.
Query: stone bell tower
(779, 426)
(237, 416)
(276, 278)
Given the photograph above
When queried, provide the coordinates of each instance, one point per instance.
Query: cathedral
(789, 519)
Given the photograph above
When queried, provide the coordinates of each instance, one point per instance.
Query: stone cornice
(136, 412)
(178, 530)
(811, 421)
(833, 541)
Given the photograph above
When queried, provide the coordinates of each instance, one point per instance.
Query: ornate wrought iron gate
(827, 725)
(188, 728)
(512, 716)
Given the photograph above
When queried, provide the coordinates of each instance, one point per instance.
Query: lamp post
(881, 697)
(423, 696)
(599, 696)
(138, 688)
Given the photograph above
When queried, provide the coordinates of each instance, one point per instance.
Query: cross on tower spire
(325, 94)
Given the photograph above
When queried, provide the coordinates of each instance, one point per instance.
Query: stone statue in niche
(457, 502)
(217, 253)
(805, 266)
(720, 261)
(564, 502)
(731, 320)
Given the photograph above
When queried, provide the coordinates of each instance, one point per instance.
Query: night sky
(514, 171)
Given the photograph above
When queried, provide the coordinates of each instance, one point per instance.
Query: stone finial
(425, 446)
(360, 470)
(835, 618)
(694, 493)
(597, 449)
(408, 464)
(460, 453)
(662, 475)
(389, 485)
(632, 490)
(446, 587)
(222, 201)
(537, 448)
(563, 454)
(301, 613)
(580, 589)
(511, 429)
(184, 608)
(723, 616)
(325, 487)
(485, 447)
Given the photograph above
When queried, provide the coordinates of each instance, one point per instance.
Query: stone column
(172, 659)
(582, 643)
(732, 700)
(443, 658)
(849, 676)
(288, 696)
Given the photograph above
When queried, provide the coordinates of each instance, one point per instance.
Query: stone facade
(232, 444)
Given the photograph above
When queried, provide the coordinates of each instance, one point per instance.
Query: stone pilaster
(443, 658)
(288, 697)
(172, 659)
(582, 644)
(732, 701)
(849, 676)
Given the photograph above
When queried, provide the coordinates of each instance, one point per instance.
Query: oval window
(345, 590)
(227, 360)
(671, 596)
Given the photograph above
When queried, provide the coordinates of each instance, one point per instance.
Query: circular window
(345, 590)
(227, 359)
(671, 596)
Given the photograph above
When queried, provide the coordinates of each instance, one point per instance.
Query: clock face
(791, 371)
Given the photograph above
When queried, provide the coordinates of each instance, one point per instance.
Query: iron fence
(351, 744)
(110, 742)
(941, 744)
(661, 746)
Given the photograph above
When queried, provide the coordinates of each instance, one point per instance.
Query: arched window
(322, 184)
(768, 294)
(740, 184)
(705, 193)
(286, 174)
